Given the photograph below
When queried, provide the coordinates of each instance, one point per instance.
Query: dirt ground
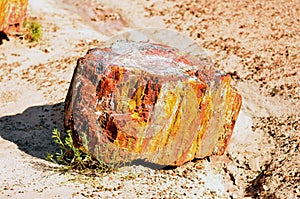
(257, 42)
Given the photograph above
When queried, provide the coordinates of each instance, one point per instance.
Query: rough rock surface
(138, 100)
(12, 15)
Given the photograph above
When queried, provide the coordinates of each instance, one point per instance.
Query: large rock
(12, 15)
(138, 100)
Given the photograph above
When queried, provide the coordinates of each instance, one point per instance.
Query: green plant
(74, 157)
(33, 31)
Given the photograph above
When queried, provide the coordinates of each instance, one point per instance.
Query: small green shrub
(75, 157)
(33, 31)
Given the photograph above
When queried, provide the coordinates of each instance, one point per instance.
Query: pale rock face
(139, 100)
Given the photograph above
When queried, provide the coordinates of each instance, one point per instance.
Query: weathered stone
(12, 15)
(138, 100)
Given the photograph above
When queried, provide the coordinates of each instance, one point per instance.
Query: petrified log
(12, 15)
(139, 100)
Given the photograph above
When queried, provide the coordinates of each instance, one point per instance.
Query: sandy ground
(257, 42)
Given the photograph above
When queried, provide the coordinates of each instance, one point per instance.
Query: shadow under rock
(31, 130)
(141, 162)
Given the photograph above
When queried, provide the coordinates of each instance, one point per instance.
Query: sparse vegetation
(33, 31)
(75, 157)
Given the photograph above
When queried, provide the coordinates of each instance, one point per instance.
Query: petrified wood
(12, 15)
(139, 100)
